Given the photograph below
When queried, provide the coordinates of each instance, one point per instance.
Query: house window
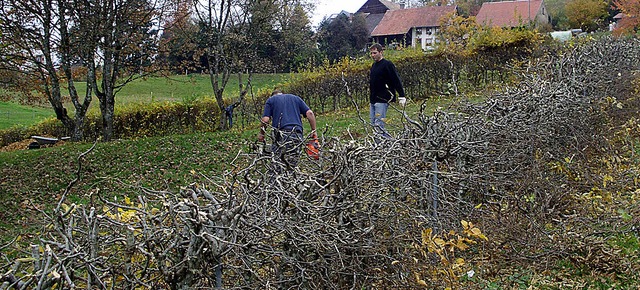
(429, 32)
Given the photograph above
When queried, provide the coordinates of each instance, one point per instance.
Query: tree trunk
(50, 75)
(55, 99)
(107, 121)
(107, 95)
(77, 132)
(218, 82)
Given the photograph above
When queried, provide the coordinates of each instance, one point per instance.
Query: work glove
(402, 101)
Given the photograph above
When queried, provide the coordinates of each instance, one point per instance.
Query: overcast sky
(328, 7)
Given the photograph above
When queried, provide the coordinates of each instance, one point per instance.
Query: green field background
(180, 88)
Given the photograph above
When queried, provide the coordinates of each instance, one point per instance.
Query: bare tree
(125, 44)
(221, 23)
(114, 42)
(233, 30)
(40, 45)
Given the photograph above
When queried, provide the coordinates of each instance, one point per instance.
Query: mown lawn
(12, 114)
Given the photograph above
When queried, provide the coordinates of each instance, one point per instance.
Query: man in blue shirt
(284, 111)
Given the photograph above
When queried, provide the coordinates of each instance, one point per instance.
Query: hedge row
(136, 120)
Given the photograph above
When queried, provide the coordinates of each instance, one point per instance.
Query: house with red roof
(415, 27)
(509, 14)
(374, 10)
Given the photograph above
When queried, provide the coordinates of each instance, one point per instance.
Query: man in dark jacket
(384, 84)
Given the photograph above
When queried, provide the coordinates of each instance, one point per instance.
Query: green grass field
(12, 114)
(155, 89)
(36, 178)
(181, 88)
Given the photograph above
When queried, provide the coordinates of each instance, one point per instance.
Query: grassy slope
(36, 178)
(31, 178)
(182, 88)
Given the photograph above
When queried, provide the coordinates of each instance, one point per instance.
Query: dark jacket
(384, 82)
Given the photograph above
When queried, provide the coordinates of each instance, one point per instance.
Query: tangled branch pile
(358, 216)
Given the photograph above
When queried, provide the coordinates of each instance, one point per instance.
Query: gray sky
(328, 7)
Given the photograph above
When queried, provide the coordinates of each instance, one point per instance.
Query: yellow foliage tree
(586, 14)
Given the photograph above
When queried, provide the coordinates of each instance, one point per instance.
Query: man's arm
(312, 122)
(263, 127)
(395, 80)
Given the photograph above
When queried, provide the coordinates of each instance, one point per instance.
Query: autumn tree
(280, 32)
(42, 40)
(343, 36)
(17, 84)
(469, 7)
(587, 15)
(558, 15)
(125, 43)
(432, 3)
(114, 42)
(292, 43)
(465, 7)
(223, 26)
(179, 41)
(630, 21)
(456, 32)
(232, 34)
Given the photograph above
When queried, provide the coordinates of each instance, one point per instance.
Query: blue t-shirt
(285, 111)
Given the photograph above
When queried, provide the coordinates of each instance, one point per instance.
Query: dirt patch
(24, 145)
(20, 145)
